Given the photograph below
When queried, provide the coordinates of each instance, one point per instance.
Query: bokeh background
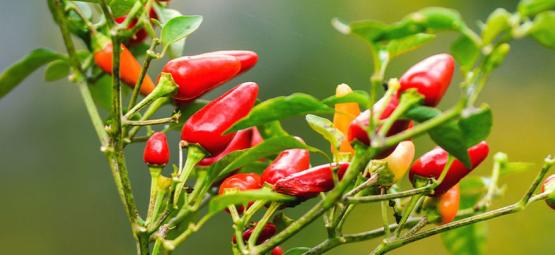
(57, 192)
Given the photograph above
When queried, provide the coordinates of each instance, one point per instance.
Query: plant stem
(146, 64)
(390, 196)
(151, 110)
(172, 119)
(261, 223)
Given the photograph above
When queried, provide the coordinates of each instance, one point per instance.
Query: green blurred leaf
(325, 128)
(467, 240)
(57, 69)
(16, 73)
(279, 108)
(409, 43)
(472, 189)
(367, 29)
(532, 7)
(357, 96)
(498, 21)
(476, 124)
(439, 18)
(101, 92)
(221, 202)
(297, 251)
(421, 113)
(271, 129)
(121, 7)
(268, 147)
(543, 29)
(166, 14)
(497, 57)
(179, 28)
(465, 52)
(514, 168)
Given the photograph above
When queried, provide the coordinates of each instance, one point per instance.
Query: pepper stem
(194, 155)
(165, 87)
(155, 172)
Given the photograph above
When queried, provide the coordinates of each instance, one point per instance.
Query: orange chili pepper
(345, 113)
(130, 68)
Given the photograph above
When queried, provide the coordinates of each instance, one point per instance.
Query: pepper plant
(234, 156)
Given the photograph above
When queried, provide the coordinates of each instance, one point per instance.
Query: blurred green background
(57, 192)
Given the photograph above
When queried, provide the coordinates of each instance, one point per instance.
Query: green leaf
(439, 18)
(498, 21)
(221, 202)
(357, 96)
(101, 92)
(367, 29)
(297, 251)
(268, 147)
(271, 129)
(421, 113)
(409, 43)
(16, 73)
(165, 15)
(465, 52)
(472, 189)
(57, 69)
(543, 31)
(497, 57)
(514, 168)
(451, 138)
(532, 7)
(279, 108)
(476, 124)
(179, 28)
(467, 240)
(121, 7)
(325, 128)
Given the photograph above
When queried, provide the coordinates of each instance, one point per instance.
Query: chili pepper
(309, 183)
(267, 232)
(247, 58)
(240, 141)
(130, 69)
(431, 164)
(206, 126)
(400, 159)
(357, 128)
(156, 150)
(277, 251)
(197, 75)
(448, 204)
(139, 36)
(287, 163)
(549, 185)
(256, 137)
(241, 182)
(431, 77)
(345, 113)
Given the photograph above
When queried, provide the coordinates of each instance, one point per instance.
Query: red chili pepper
(156, 150)
(309, 183)
(130, 68)
(247, 58)
(241, 182)
(256, 137)
(267, 232)
(431, 164)
(287, 163)
(277, 251)
(139, 36)
(448, 204)
(549, 184)
(197, 75)
(206, 126)
(431, 77)
(241, 140)
(357, 129)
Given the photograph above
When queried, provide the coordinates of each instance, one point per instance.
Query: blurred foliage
(59, 195)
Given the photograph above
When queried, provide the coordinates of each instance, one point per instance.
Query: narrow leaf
(16, 73)
(357, 96)
(409, 43)
(325, 128)
(57, 69)
(533, 7)
(121, 7)
(178, 28)
(219, 203)
(498, 21)
(279, 108)
(542, 29)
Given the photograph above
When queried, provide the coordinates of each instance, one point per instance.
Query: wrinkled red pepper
(311, 182)
(287, 163)
(156, 150)
(431, 164)
(267, 232)
(241, 182)
(207, 125)
(431, 77)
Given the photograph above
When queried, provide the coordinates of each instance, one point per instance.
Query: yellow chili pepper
(400, 159)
